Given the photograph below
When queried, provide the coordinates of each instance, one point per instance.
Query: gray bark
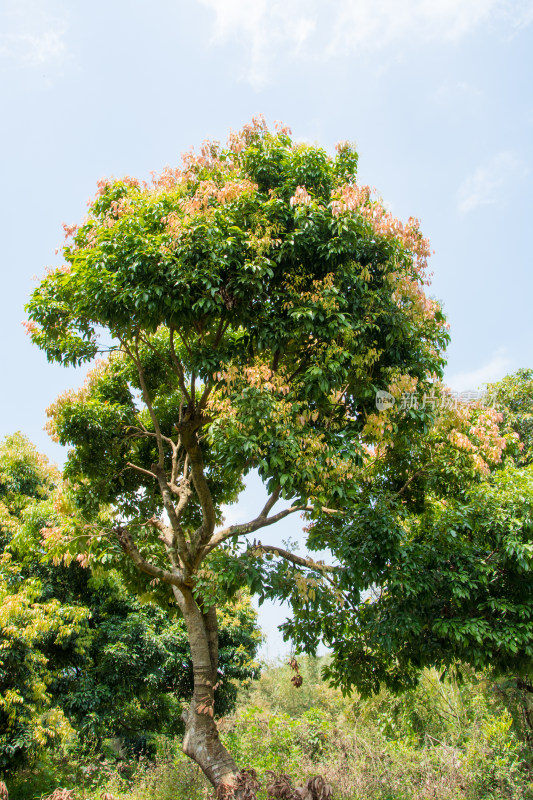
(201, 741)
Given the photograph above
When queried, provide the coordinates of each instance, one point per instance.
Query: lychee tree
(245, 309)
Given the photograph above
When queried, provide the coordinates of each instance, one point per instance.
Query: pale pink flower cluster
(30, 327)
(210, 149)
(357, 198)
(411, 290)
(102, 185)
(487, 432)
(129, 181)
(120, 207)
(168, 179)
(408, 234)
(461, 441)
(301, 197)
(172, 222)
(403, 384)
(209, 158)
(91, 236)
(483, 439)
(233, 189)
(225, 194)
(238, 140)
(342, 146)
(377, 426)
(279, 127)
(350, 198)
(206, 191)
(52, 533)
(192, 163)
(259, 376)
(262, 377)
(481, 465)
(70, 230)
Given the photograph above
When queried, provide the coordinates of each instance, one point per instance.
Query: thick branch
(175, 578)
(271, 502)
(249, 527)
(201, 486)
(141, 470)
(178, 535)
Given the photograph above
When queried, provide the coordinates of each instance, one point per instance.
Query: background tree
(513, 395)
(251, 303)
(438, 553)
(80, 656)
(30, 718)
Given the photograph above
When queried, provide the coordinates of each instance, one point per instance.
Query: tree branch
(249, 527)
(294, 559)
(140, 469)
(179, 541)
(175, 578)
(146, 396)
(271, 502)
(179, 369)
(201, 486)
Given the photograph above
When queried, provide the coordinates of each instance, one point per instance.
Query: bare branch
(271, 502)
(144, 432)
(249, 527)
(193, 390)
(205, 395)
(176, 463)
(164, 531)
(179, 540)
(294, 559)
(201, 486)
(411, 478)
(175, 577)
(140, 469)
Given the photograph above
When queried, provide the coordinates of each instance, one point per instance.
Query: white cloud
(376, 24)
(499, 365)
(270, 29)
(31, 35)
(263, 27)
(490, 184)
(34, 49)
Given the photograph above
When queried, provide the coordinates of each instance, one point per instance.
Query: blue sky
(437, 94)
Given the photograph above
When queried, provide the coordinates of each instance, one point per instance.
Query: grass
(447, 740)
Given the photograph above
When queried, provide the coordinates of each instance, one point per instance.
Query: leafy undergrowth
(446, 740)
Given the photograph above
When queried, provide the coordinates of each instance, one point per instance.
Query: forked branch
(124, 537)
(249, 527)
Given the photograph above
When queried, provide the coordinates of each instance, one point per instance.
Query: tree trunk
(201, 741)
